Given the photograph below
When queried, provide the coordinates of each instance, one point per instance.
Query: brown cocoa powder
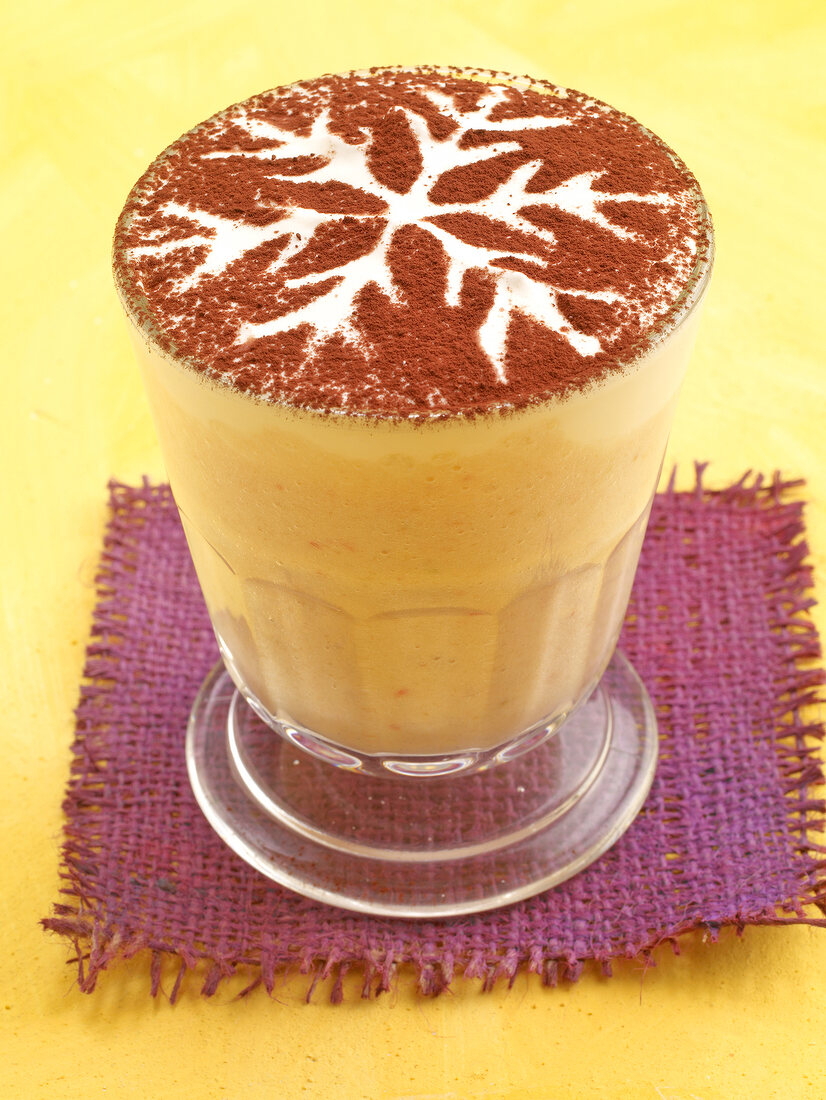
(406, 349)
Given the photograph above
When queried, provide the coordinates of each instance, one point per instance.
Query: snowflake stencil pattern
(331, 313)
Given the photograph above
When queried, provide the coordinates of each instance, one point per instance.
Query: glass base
(424, 845)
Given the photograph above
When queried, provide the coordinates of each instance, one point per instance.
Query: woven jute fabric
(717, 627)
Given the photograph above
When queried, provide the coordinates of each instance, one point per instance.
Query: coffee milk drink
(412, 340)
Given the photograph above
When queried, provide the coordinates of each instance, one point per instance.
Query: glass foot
(424, 845)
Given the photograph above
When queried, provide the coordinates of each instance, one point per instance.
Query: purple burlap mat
(717, 627)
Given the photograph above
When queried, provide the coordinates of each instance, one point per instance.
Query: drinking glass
(419, 708)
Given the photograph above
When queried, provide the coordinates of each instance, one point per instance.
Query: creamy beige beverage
(412, 341)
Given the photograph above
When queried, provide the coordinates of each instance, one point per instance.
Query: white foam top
(281, 246)
(332, 312)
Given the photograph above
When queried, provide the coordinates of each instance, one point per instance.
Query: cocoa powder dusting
(412, 243)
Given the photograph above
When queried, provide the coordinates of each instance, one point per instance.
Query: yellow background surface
(91, 92)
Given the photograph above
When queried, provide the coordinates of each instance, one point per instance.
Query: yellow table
(92, 91)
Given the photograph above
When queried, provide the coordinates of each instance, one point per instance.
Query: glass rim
(138, 310)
